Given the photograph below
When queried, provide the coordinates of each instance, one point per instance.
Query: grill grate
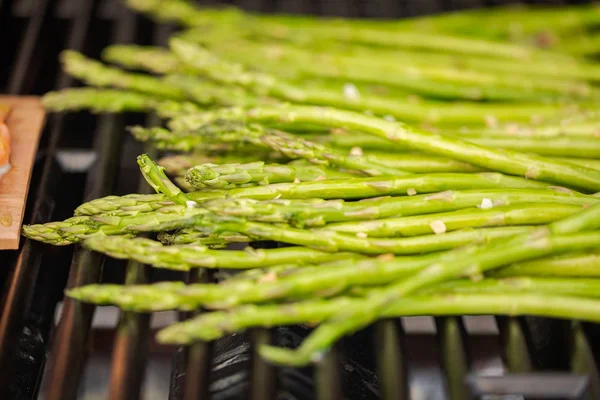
(542, 358)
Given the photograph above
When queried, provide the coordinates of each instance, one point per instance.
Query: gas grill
(82, 157)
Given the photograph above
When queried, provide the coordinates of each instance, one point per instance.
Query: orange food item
(4, 142)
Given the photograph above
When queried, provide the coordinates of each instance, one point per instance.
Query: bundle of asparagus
(295, 130)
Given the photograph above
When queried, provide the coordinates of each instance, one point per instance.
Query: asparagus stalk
(558, 146)
(316, 212)
(154, 59)
(470, 261)
(327, 279)
(340, 31)
(321, 279)
(580, 287)
(215, 240)
(431, 79)
(416, 163)
(176, 87)
(359, 63)
(178, 217)
(513, 215)
(354, 188)
(284, 143)
(185, 257)
(576, 265)
(178, 164)
(296, 147)
(71, 230)
(214, 325)
(500, 22)
(505, 161)
(233, 74)
(569, 265)
(97, 74)
(227, 176)
(110, 101)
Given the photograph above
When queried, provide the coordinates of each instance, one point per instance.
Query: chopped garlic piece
(486, 204)
(411, 191)
(191, 204)
(269, 277)
(438, 227)
(356, 151)
(361, 235)
(351, 92)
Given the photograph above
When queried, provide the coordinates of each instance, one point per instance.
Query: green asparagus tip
(140, 133)
(82, 293)
(158, 180)
(288, 357)
(173, 335)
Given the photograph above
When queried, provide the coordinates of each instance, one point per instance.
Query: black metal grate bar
(198, 356)
(262, 375)
(516, 350)
(391, 360)
(582, 358)
(328, 376)
(26, 57)
(454, 355)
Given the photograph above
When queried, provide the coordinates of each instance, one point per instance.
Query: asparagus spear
(176, 87)
(296, 147)
(178, 164)
(284, 143)
(577, 265)
(319, 212)
(416, 163)
(215, 240)
(158, 180)
(97, 74)
(352, 63)
(470, 261)
(71, 230)
(505, 161)
(214, 325)
(341, 31)
(189, 297)
(354, 188)
(501, 22)
(571, 265)
(178, 217)
(184, 257)
(580, 287)
(233, 74)
(513, 215)
(325, 278)
(227, 176)
(559, 146)
(110, 100)
(431, 79)
(155, 59)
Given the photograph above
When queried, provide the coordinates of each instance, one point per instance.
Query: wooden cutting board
(25, 122)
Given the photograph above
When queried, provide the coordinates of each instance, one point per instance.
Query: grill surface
(83, 157)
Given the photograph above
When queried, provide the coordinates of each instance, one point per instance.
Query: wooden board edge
(25, 122)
